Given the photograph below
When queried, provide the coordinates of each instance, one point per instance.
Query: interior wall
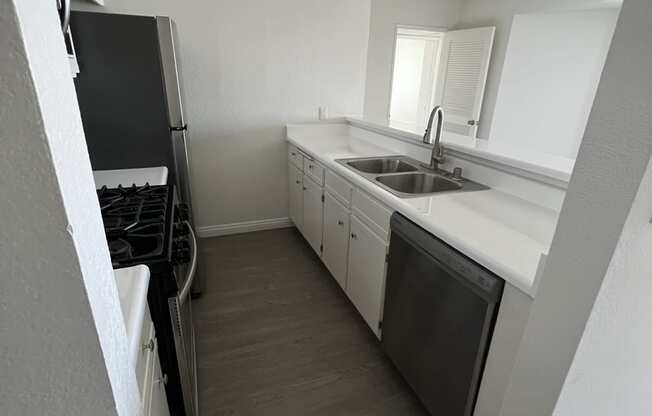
(500, 13)
(557, 58)
(385, 16)
(63, 339)
(248, 68)
(593, 220)
(610, 374)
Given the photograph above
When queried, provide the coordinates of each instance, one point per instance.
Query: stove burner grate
(134, 221)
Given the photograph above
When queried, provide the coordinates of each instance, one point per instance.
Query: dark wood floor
(277, 336)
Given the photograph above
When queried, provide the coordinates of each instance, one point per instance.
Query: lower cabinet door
(313, 213)
(336, 238)
(365, 285)
(295, 178)
(158, 399)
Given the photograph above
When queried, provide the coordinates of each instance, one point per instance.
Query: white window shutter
(463, 74)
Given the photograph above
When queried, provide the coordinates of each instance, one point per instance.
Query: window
(440, 68)
(415, 72)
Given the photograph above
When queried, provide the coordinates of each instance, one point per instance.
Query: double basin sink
(406, 177)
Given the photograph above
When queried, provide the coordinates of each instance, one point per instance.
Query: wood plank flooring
(277, 336)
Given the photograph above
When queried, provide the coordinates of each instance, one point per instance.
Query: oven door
(183, 329)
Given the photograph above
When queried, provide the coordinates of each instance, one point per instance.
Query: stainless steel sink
(381, 165)
(406, 177)
(419, 183)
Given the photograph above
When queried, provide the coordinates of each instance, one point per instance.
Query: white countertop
(133, 283)
(503, 233)
(128, 177)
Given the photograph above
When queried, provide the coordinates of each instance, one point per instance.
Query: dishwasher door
(440, 310)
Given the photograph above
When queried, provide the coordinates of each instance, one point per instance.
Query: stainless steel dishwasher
(439, 315)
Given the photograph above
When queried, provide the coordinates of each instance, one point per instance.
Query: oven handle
(183, 294)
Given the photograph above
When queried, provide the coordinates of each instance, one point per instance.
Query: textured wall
(610, 166)
(385, 16)
(499, 13)
(248, 68)
(611, 371)
(63, 346)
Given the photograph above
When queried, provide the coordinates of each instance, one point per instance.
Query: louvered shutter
(462, 77)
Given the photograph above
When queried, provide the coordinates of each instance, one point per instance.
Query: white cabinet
(314, 170)
(348, 228)
(336, 238)
(295, 178)
(313, 213)
(158, 404)
(365, 285)
(151, 380)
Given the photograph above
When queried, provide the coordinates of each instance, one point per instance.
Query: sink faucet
(437, 156)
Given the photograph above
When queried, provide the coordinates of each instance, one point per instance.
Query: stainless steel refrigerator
(131, 99)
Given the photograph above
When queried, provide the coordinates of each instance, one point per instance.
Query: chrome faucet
(437, 156)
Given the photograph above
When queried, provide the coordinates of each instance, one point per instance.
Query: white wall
(611, 373)
(551, 73)
(611, 164)
(249, 67)
(63, 341)
(385, 16)
(499, 13)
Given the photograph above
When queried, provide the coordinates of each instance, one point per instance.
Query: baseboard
(243, 227)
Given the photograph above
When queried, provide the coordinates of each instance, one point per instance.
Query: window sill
(550, 169)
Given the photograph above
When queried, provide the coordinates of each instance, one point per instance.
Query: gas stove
(136, 222)
(146, 225)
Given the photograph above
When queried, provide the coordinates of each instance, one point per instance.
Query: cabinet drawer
(295, 157)
(314, 170)
(146, 348)
(375, 214)
(339, 187)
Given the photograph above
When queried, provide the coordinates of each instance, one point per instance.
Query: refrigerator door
(166, 35)
(178, 126)
(121, 91)
(174, 95)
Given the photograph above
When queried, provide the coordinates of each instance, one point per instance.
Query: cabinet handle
(305, 189)
(294, 154)
(163, 380)
(354, 236)
(298, 182)
(340, 222)
(149, 345)
(311, 166)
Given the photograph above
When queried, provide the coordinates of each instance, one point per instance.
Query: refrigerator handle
(179, 128)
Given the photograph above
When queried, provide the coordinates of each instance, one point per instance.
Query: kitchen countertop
(503, 233)
(128, 177)
(133, 283)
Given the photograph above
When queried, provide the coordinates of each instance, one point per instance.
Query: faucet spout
(437, 156)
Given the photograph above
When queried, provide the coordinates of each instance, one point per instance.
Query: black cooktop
(135, 222)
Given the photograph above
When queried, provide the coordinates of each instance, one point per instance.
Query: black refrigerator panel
(121, 91)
